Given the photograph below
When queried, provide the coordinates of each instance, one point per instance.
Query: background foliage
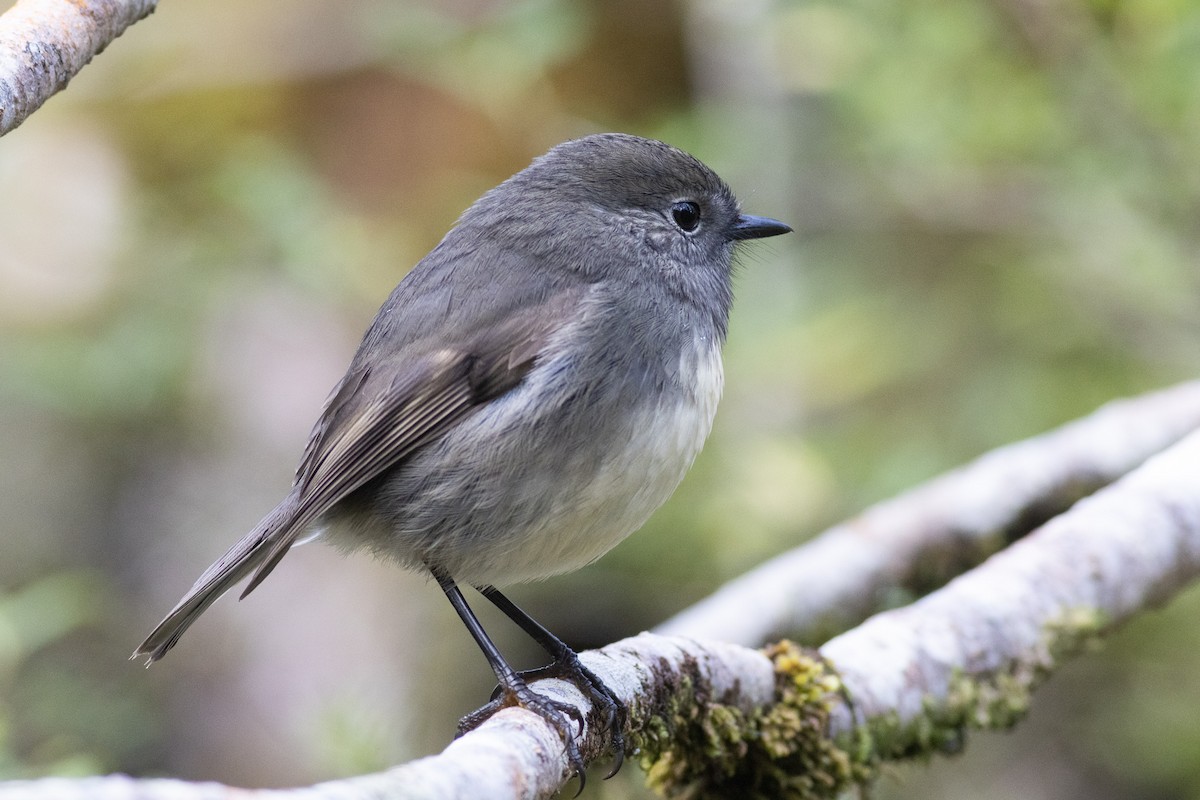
(996, 212)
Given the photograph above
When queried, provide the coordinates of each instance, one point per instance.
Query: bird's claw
(569, 668)
(558, 714)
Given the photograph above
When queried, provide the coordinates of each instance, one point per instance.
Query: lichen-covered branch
(718, 720)
(913, 681)
(44, 43)
(921, 539)
(515, 754)
(970, 654)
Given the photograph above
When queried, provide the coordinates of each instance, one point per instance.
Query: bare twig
(921, 539)
(44, 43)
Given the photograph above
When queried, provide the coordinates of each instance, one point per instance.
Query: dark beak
(751, 227)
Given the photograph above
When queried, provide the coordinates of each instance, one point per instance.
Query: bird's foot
(558, 715)
(604, 701)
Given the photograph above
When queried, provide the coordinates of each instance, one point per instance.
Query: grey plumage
(532, 390)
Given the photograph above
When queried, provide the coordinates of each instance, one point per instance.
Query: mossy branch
(912, 682)
(715, 720)
(969, 654)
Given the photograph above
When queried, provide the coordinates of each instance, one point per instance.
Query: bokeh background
(996, 206)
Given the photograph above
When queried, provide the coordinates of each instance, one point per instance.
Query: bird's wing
(372, 423)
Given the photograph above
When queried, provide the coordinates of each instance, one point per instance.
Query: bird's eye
(686, 215)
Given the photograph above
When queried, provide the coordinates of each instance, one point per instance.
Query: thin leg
(567, 665)
(513, 688)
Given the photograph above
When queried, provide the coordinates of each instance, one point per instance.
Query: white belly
(634, 480)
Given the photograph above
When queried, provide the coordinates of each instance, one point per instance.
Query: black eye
(686, 215)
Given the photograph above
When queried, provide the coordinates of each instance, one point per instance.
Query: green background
(996, 208)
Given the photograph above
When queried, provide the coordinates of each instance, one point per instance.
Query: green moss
(718, 751)
(985, 701)
(706, 748)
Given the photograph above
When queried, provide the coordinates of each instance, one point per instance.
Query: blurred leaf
(44, 612)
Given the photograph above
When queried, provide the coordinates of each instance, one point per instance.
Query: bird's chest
(641, 467)
(671, 432)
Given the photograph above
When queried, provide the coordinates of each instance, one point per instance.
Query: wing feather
(368, 427)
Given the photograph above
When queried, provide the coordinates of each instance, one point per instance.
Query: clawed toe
(604, 700)
(559, 715)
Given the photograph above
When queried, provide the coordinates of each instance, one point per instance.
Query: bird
(529, 393)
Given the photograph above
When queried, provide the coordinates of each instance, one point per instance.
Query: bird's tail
(250, 553)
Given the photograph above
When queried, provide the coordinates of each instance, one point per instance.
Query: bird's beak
(751, 227)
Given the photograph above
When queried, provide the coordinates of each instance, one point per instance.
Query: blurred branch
(44, 43)
(968, 654)
(921, 539)
(712, 719)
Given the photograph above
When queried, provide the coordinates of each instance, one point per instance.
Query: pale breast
(635, 479)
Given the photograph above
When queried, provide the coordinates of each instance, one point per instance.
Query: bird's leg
(513, 688)
(567, 665)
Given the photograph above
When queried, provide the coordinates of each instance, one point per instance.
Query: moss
(995, 700)
(782, 751)
(704, 747)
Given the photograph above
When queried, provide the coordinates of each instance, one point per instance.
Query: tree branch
(920, 539)
(514, 754)
(969, 654)
(44, 43)
(719, 720)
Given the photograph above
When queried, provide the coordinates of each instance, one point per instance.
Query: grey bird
(528, 395)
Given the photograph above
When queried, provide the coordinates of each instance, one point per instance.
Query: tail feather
(247, 555)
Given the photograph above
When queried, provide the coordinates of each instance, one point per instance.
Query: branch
(911, 682)
(514, 754)
(971, 652)
(719, 720)
(922, 538)
(44, 43)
